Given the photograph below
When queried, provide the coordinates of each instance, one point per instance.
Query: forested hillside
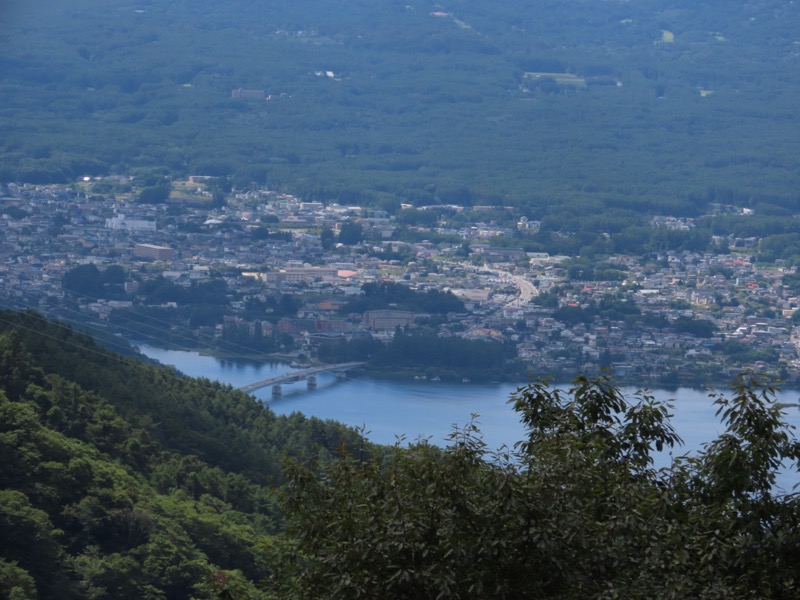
(120, 480)
(557, 106)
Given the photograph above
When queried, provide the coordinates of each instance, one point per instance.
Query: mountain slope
(125, 480)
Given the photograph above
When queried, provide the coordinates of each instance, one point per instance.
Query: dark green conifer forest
(590, 117)
(559, 107)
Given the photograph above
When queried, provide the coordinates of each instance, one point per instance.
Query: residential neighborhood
(286, 269)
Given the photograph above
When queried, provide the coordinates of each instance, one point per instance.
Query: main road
(527, 291)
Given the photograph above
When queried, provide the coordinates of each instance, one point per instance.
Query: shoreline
(471, 376)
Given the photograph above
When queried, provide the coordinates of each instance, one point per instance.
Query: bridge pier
(276, 391)
(312, 383)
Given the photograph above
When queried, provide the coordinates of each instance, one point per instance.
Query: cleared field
(560, 78)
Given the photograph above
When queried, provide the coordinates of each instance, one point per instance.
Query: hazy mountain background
(672, 104)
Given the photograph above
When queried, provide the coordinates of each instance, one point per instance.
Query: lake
(429, 409)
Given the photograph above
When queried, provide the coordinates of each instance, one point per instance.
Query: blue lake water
(388, 409)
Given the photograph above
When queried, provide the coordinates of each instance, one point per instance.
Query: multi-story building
(153, 251)
(377, 320)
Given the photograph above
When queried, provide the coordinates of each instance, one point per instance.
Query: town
(279, 276)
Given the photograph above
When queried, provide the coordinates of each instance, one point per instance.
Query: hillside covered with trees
(122, 480)
(566, 108)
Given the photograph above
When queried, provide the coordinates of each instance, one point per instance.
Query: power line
(191, 337)
(134, 363)
(154, 332)
(84, 321)
(57, 322)
(85, 348)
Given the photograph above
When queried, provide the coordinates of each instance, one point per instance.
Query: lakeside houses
(674, 317)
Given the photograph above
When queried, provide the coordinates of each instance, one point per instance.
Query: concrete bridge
(294, 376)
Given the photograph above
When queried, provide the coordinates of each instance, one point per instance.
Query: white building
(122, 223)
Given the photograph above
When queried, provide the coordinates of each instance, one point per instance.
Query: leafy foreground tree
(576, 510)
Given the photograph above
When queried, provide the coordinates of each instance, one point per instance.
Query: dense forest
(387, 294)
(567, 109)
(429, 355)
(122, 480)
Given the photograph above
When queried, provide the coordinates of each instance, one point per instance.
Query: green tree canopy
(88, 280)
(156, 194)
(388, 294)
(576, 509)
(120, 480)
(351, 233)
(327, 238)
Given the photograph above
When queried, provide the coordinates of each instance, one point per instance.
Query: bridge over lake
(294, 376)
